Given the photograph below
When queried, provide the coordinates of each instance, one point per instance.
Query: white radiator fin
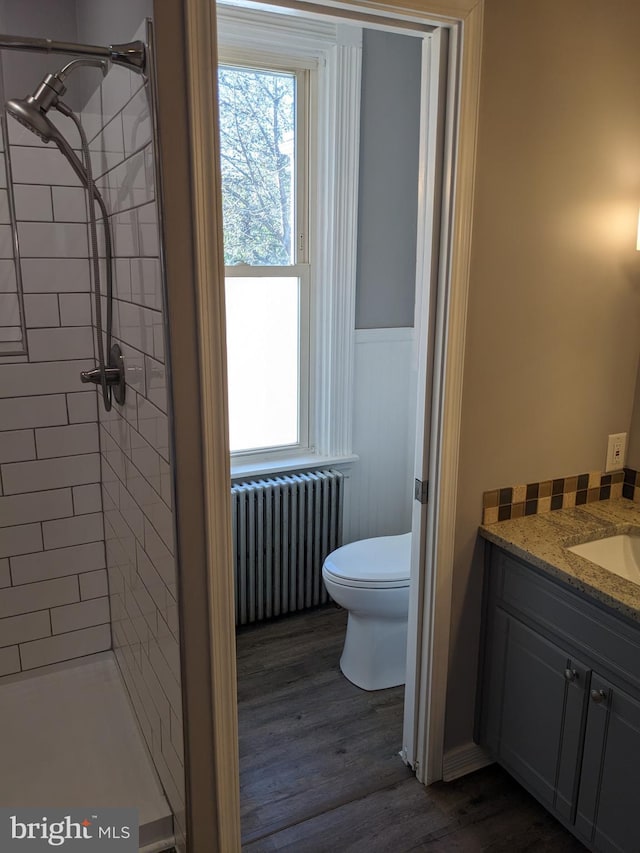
(283, 528)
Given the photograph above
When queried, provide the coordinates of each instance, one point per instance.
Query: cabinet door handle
(571, 674)
(598, 696)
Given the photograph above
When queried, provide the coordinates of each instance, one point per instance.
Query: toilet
(370, 579)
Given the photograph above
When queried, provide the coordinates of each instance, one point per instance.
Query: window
(263, 147)
(289, 90)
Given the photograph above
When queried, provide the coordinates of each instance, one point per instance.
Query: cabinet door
(543, 695)
(609, 798)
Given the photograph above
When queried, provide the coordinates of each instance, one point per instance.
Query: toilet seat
(364, 584)
(380, 563)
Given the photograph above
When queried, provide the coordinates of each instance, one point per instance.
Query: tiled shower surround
(134, 439)
(85, 568)
(53, 583)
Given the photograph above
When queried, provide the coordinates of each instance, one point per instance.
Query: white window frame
(299, 267)
(335, 51)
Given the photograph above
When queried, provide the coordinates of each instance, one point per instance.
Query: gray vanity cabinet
(534, 711)
(609, 798)
(551, 707)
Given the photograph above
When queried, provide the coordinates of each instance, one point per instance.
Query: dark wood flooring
(319, 764)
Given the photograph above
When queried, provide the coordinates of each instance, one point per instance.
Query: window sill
(244, 470)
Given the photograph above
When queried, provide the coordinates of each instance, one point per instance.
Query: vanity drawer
(604, 639)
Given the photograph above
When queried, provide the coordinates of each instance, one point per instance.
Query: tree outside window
(257, 124)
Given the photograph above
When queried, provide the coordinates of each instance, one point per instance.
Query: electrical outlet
(616, 451)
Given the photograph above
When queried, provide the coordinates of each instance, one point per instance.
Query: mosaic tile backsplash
(631, 485)
(562, 493)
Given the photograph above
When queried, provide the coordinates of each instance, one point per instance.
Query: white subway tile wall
(11, 316)
(134, 438)
(86, 526)
(53, 595)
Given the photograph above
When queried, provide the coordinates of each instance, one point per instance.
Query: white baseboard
(464, 759)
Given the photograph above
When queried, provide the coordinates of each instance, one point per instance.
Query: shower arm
(87, 62)
(131, 55)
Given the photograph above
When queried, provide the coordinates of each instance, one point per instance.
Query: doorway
(203, 305)
(366, 268)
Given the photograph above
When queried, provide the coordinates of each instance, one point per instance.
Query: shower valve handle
(112, 375)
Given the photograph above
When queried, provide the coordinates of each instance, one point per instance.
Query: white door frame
(431, 290)
(197, 50)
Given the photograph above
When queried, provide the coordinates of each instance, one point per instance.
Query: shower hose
(94, 198)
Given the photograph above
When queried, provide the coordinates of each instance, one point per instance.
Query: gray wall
(633, 445)
(388, 195)
(108, 23)
(114, 21)
(38, 19)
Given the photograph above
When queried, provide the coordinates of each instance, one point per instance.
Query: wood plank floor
(319, 764)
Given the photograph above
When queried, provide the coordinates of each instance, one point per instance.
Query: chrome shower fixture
(32, 113)
(132, 55)
(48, 95)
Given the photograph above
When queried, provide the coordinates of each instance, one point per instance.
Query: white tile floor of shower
(69, 738)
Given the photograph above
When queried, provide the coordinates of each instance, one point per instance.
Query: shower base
(68, 737)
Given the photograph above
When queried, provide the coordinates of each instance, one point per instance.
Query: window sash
(303, 273)
(301, 269)
(234, 58)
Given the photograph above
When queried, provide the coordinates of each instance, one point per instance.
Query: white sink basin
(619, 554)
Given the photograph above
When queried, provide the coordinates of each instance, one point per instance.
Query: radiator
(283, 528)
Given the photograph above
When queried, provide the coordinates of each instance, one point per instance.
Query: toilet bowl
(370, 579)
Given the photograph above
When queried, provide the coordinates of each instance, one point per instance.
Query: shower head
(26, 111)
(32, 111)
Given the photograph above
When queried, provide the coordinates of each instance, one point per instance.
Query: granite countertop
(542, 540)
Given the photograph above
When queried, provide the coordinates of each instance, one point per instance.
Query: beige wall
(554, 315)
(633, 447)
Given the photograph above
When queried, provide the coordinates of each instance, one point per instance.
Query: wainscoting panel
(380, 486)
